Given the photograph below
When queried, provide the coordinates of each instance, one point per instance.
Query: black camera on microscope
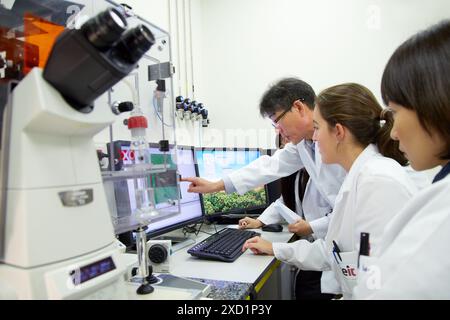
(85, 63)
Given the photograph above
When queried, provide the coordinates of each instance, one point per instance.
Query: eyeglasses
(275, 121)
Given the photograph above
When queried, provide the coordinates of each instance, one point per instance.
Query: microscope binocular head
(85, 63)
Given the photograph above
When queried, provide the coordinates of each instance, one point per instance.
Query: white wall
(241, 46)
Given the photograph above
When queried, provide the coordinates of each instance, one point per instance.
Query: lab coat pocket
(369, 275)
(347, 271)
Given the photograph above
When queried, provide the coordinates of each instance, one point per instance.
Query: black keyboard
(225, 245)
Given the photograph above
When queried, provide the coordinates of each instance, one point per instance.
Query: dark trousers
(307, 286)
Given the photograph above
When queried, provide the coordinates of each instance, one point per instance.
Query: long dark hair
(417, 77)
(356, 108)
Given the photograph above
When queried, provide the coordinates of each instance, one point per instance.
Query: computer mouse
(274, 227)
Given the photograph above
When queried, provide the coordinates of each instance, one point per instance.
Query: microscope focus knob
(120, 107)
(126, 106)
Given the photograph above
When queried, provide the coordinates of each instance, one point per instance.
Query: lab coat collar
(370, 151)
(445, 171)
(309, 143)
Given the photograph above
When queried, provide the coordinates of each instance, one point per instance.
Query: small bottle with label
(144, 193)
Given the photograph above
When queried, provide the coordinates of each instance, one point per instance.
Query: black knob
(179, 102)
(164, 145)
(101, 155)
(157, 253)
(186, 104)
(192, 105)
(126, 106)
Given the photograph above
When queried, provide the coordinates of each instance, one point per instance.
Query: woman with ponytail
(352, 130)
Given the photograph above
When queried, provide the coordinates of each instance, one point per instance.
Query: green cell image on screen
(213, 164)
(164, 183)
(222, 202)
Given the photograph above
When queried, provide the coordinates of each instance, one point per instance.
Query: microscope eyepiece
(105, 29)
(86, 62)
(134, 44)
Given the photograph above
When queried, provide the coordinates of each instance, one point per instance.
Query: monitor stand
(178, 243)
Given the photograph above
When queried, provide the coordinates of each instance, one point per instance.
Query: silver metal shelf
(132, 222)
(132, 174)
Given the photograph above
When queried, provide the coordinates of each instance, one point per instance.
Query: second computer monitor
(213, 164)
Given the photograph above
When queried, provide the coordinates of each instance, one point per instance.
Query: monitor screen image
(213, 164)
(165, 187)
(164, 184)
(191, 206)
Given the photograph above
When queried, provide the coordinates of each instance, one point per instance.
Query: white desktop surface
(247, 268)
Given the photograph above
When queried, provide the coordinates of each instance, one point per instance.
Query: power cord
(190, 229)
(200, 229)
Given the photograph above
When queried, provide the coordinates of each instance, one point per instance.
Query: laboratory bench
(250, 276)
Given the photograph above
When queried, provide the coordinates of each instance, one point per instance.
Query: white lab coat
(414, 259)
(422, 179)
(317, 219)
(271, 215)
(321, 190)
(375, 189)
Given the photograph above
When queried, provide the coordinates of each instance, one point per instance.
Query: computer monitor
(213, 164)
(165, 188)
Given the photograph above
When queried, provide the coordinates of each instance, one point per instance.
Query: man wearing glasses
(289, 104)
